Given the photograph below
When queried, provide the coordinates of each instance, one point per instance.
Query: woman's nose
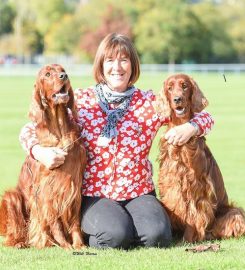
(116, 64)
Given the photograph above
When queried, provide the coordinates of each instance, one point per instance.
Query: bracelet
(195, 125)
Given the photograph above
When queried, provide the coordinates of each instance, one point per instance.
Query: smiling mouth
(180, 110)
(61, 97)
(63, 89)
(117, 76)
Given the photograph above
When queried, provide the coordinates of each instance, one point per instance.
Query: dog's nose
(177, 99)
(63, 76)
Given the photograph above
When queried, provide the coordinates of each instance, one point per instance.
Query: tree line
(163, 31)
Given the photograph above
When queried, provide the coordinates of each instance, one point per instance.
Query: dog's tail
(3, 218)
(13, 218)
(229, 222)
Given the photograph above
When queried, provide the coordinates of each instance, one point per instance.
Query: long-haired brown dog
(190, 182)
(44, 209)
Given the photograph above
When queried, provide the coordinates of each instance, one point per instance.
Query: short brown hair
(111, 45)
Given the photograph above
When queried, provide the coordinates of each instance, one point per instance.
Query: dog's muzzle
(60, 98)
(180, 111)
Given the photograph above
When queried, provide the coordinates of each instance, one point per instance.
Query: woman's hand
(181, 134)
(50, 157)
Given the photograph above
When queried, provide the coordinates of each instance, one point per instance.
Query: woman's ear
(162, 103)
(199, 101)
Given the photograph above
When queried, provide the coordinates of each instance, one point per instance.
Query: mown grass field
(226, 140)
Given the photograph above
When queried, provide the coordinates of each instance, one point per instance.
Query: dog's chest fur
(181, 176)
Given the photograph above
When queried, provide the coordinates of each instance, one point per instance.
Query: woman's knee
(151, 221)
(118, 237)
(107, 224)
(159, 236)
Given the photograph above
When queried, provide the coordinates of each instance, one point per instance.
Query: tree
(46, 13)
(113, 20)
(163, 31)
(63, 36)
(28, 39)
(234, 16)
(33, 42)
(195, 41)
(170, 32)
(7, 15)
(222, 49)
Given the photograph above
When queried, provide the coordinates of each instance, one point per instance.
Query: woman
(119, 122)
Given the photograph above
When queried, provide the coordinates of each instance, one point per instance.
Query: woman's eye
(47, 74)
(125, 60)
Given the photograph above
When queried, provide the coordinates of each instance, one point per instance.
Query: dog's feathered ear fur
(36, 108)
(71, 104)
(162, 103)
(199, 101)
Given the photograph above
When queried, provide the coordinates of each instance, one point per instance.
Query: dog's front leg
(76, 234)
(59, 236)
(189, 233)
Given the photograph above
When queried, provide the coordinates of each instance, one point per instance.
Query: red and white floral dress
(121, 170)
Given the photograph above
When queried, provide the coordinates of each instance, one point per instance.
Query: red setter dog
(44, 209)
(190, 182)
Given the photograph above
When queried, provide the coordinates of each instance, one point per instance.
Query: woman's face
(117, 72)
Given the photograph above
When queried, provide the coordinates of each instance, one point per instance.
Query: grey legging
(141, 221)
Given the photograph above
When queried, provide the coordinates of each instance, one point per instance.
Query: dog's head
(181, 97)
(52, 88)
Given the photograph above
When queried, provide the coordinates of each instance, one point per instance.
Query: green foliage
(195, 39)
(61, 37)
(48, 12)
(163, 31)
(217, 39)
(25, 39)
(233, 13)
(171, 32)
(33, 43)
(7, 15)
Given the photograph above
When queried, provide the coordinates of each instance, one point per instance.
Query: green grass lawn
(226, 140)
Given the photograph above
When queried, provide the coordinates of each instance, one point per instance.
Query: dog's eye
(170, 88)
(184, 86)
(47, 74)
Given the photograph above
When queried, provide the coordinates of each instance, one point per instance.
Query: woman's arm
(50, 157)
(200, 125)
(28, 137)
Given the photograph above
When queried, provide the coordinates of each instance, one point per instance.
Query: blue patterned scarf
(106, 96)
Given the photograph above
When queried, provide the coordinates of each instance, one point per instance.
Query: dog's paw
(21, 245)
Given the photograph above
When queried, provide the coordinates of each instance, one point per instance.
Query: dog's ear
(37, 108)
(162, 104)
(71, 104)
(199, 101)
